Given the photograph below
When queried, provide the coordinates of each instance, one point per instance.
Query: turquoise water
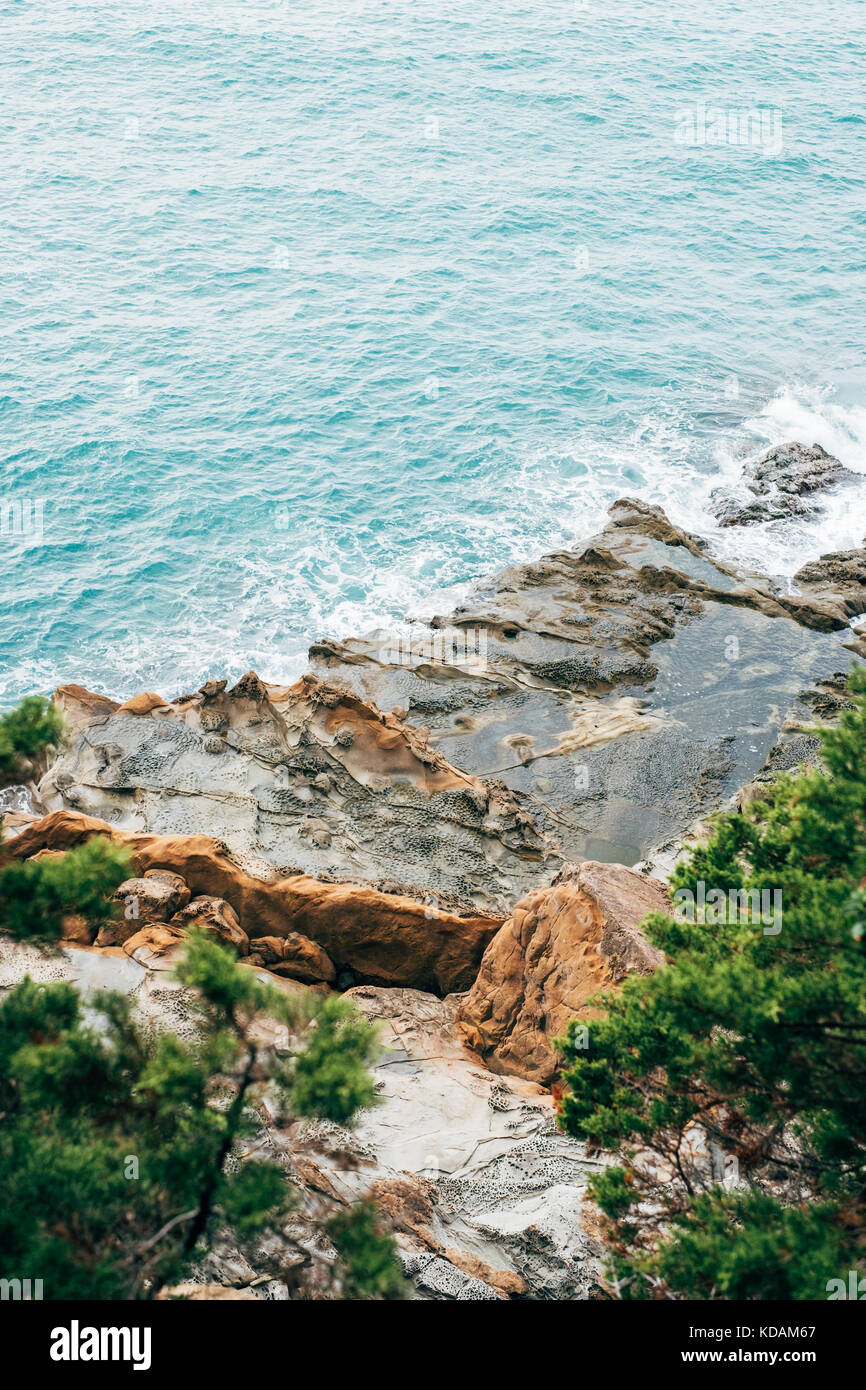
(311, 311)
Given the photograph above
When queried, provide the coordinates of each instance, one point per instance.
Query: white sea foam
(548, 506)
(780, 548)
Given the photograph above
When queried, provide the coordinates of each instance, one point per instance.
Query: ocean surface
(311, 311)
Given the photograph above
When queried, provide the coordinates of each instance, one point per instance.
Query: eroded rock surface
(780, 483)
(628, 687)
(561, 945)
(489, 1195)
(384, 938)
(841, 574)
(301, 779)
(593, 704)
(485, 1198)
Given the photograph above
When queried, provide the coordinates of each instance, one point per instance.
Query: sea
(312, 314)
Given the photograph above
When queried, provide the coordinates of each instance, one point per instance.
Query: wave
(808, 415)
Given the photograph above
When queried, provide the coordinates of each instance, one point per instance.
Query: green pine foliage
(27, 731)
(368, 1254)
(121, 1148)
(732, 1083)
(120, 1145)
(36, 895)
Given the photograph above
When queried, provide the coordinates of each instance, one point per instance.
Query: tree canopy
(732, 1082)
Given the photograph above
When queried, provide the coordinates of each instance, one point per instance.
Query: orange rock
(77, 929)
(303, 960)
(561, 945)
(80, 707)
(503, 1280)
(385, 938)
(266, 950)
(154, 945)
(215, 916)
(143, 704)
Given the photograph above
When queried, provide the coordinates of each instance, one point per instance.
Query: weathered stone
(266, 950)
(486, 1195)
(303, 960)
(155, 897)
(776, 483)
(77, 930)
(560, 946)
(841, 574)
(295, 956)
(156, 946)
(216, 917)
(307, 778)
(625, 689)
(381, 937)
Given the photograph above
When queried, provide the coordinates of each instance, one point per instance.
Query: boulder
(295, 956)
(840, 574)
(776, 483)
(216, 917)
(76, 929)
(266, 951)
(155, 897)
(560, 947)
(303, 960)
(156, 946)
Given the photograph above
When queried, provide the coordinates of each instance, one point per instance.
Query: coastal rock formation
(382, 938)
(777, 484)
(304, 779)
(489, 1196)
(628, 687)
(561, 946)
(573, 716)
(593, 704)
(841, 574)
(485, 1197)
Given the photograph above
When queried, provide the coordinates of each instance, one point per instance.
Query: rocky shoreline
(463, 827)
